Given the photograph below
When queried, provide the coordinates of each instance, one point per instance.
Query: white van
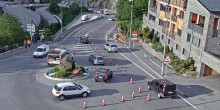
(84, 17)
(105, 12)
(56, 56)
(41, 51)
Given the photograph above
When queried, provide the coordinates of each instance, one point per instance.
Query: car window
(73, 88)
(66, 88)
(53, 56)
(57, 88)
(101, 74)
(161, 86)
(40, 50)
(99, 58)
(107, 44)
(113, 45)
(102, 70)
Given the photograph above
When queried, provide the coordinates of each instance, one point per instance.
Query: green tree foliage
(54, 8)
(54, 27)
(155, 40)
(11, 31)
(47, 34)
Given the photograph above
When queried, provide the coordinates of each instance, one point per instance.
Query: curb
(57, 79)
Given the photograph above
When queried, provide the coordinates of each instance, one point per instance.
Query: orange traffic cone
(92, 43)
(103, 102)
(116, 66)
(110, 61)
(132, 96)
(84, 105)
(123, 73)
(96, 48)
(131, 82)
(122, 99)
(148, 98)
(102, 54)
(139, 90)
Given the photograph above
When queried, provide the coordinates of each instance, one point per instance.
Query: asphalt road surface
(20, 91)
(49, 17)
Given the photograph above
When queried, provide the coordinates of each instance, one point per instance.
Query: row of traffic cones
(122, 100)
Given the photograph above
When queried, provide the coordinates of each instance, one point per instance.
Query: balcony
(171, 35)
(153, 9)
(166, 1)
(174, 18)
(195, 28)
(179, 3)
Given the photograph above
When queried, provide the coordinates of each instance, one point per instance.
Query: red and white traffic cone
(92, 43)
(84, 105)
(122, 99)
(139, 90)
(132, 96)
(103, 102)
(102, 54)
(73, 42)
(110, 61)
(123, 73)
(131, 82)
(96, 48)
(148, 98)
(116, 66)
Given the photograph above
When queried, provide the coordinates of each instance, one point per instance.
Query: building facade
(191, 28)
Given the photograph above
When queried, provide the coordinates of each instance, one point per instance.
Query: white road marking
(85, 52)
(188, 102)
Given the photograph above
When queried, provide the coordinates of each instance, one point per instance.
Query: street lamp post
(131, 23)
(61, 23)
(30, 20)
(81, 7)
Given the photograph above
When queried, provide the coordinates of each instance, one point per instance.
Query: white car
(111, 47)
(66, 89)
(41, 51)
(106, 46)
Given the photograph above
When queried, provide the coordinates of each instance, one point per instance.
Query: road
(22, 92)
(49, 17)
(23, 14)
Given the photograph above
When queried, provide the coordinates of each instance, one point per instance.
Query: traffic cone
(103, 102)
(131, 82)
(122, 99)
(132, 96)
(123, 73)
(92, 43)
(91, 37)
(116, 66)
(102, 54)
(96, 48)
(110, 61)
(84, 105)
(139, 90)
(148, 98)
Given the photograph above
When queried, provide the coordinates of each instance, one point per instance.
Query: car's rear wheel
(61, 98)
(158, 95)
(148, 87)
(84, 94)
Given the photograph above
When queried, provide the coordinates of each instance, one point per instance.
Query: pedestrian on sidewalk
(25, 43)
(72, 56)
(29, 43)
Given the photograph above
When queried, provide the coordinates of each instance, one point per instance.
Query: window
(181, 15)
(168, 41)
(185, 52)
(175, 11)
(194, 40)
(73, 88)
(66, 88)
(162, 37)
(164, 23)
(178, 47)
(152, 18)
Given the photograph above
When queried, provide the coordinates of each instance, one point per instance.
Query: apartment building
(191, 28)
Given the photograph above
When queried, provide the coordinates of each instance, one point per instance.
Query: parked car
(84, 39)
(112, 48)
(111, 19)
(84, 17)
(103, 75)
(97, 59)
(163, 87)
(68, 89)
(41, 51)
(106, 46)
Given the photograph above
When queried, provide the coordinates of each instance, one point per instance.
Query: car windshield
(78, 85)
(57, 88)
(99, 58)
(53, 56)
(84, 38)
(102, 70)
(101, 74)
(40, 50)
(113, 45)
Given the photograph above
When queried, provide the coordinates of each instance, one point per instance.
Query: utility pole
(61, 23)
(164, 50)
(81, 7)
(30, 21)
(131, 24)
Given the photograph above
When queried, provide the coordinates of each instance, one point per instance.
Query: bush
(159, 48)
(55, 69)
(147, 40)
(155, 40)
(167, 50)
(73, 65)
(61, 73)
(65, 65)
(82, 68)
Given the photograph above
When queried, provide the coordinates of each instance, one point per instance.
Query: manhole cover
(210, 94)
(202, 99)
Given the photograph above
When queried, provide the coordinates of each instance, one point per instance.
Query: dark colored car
(103, 75)
(84, 39)
(163, 87)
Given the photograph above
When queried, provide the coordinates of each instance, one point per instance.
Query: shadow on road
(118, 78)
(125, 50)
(103, 92)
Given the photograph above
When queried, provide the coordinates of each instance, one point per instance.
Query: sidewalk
(202, 92)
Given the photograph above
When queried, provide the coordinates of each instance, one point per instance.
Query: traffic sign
(134, 35)
(116, 29)
(86, 69)
(145, 56)
(49, 70)
(167, 59)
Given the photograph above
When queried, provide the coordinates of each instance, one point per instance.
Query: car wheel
(61, 98)
(84, 94)
(148, 86)
(158, 95)
(96, 80)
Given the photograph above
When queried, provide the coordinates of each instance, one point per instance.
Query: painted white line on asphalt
(154, 62)
(136, 65)
(188, 102)
(143, 62)
(85, 52)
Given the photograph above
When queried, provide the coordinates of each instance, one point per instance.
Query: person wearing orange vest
(29, 43)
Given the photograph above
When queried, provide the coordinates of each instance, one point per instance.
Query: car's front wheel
(61, 98)
(84, 94)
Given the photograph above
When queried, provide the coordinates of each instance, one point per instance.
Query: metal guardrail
(11, 47)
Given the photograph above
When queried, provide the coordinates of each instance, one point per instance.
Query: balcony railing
(195, 28)
(167, 15)
(174, 18)
(166, 1)
(179, 3)
(153, 9)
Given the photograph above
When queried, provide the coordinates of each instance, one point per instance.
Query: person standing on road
(25, 43)
(29, 43)
(72, 56)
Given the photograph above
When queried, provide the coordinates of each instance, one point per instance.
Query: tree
(54, 8)
(47, 34)
(11, 31)
(155, 40)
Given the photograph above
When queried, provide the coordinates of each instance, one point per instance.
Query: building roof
(211, 5)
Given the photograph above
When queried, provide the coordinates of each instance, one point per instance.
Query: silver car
(112, 48)
(97, 59)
